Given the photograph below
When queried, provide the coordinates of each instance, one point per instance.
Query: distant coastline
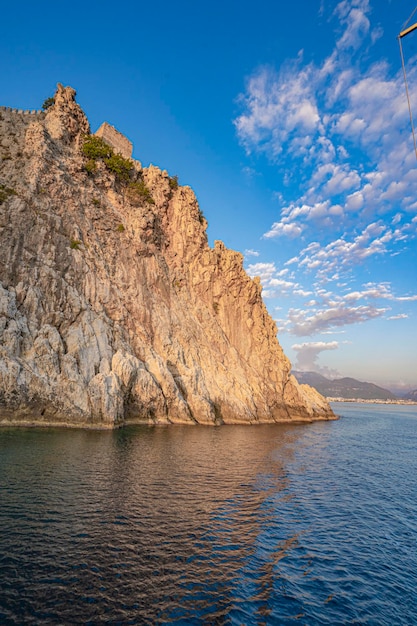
(363, 401)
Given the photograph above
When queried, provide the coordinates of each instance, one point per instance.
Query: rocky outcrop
(113, 307)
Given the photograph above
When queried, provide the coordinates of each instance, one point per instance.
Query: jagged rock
(113, 307)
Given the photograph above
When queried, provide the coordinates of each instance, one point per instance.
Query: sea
(309, 524)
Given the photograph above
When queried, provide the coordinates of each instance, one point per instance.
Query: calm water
(312, 524)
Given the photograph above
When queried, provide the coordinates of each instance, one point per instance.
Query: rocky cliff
(113, 307)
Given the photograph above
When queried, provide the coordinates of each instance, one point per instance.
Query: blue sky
(289, 121)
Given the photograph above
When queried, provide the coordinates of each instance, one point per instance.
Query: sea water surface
(282, 524)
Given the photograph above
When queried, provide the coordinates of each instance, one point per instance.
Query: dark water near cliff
(312, 524)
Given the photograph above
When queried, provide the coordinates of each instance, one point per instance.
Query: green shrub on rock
(48, 103)
(201, 217)
(137, 192)
(173, 182)
(120, 166)
(91, 166)
(95, 148)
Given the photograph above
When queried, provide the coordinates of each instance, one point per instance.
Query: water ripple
(272, 525)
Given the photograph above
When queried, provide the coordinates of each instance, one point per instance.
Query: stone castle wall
(107, 132)
(33, 112)
(115, 139)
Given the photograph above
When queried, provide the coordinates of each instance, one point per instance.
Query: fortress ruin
(115, 139)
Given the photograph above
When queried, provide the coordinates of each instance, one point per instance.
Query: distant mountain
(411, 395)
(348, 388)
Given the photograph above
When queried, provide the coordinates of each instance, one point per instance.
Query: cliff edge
(113, 307)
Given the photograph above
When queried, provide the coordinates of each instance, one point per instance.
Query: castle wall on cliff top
(115, 139)
(25, 112)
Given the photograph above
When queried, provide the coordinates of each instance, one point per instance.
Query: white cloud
(307, 355)
(400, 316)
(349, 125)
(352, 15)
(405, 298)
(343, 179)
(282, 228)
(343, 253)
(265, 271)
(382, 291)
(329, 311)
(354, 201)
(251, 253)
(249, 172)
(303, 293)
(339, 133)
(277, 105)
(311, 117)
(302, 323)
(273, 282)
(276, 282)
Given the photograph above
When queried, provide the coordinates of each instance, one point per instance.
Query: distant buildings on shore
(361, 400)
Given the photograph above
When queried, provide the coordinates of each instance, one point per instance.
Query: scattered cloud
(329, 311)
(353, 16)
(303, 293)
(273, 282)
(303, 323)
(265, 271)
(249, 253)
(338, 134)
(378, 290)
(343, 253)
(250, 172)
(310, 119)
(326, 311)
(282, 228)
(400, 316)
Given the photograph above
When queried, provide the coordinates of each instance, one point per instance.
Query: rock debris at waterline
(113, 307)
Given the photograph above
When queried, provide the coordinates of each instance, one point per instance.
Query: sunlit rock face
(113, 307)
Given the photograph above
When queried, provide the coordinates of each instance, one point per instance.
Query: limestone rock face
(113, 307)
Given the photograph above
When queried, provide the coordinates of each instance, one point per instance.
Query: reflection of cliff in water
(159, 519)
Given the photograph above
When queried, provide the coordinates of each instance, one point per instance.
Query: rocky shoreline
(36, 421)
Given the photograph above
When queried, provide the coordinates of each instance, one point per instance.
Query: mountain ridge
(345, 387)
